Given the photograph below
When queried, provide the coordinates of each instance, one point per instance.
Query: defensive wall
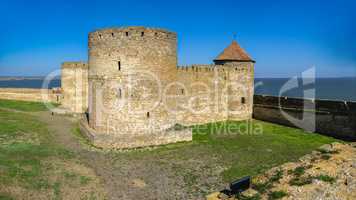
(211, 93)
(29, 94)
(138, 94)
(332, 118)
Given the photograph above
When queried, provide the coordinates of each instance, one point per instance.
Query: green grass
(265, 146)
(254, 197)
(5, 197)
(263, 187)
(300, 181)
(276, 195)
(240, 153)
(84, 180)
(276, 176)
(24, 144)
(325, 178)
(298, 171)
(82, 138)
(26, 106)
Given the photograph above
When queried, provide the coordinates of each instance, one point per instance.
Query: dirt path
(61, 126)
(124, 176)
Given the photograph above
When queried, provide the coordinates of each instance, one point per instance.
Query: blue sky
(284, 37)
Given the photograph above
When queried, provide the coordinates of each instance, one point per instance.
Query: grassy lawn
(250, 153)
(31, 163)
(22, 105)
(227, 146)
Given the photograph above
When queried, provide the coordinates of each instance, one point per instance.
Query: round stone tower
(130, 69)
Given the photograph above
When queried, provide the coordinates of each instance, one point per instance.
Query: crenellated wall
(211, 93)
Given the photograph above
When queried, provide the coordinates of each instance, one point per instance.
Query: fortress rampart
(333, 118)
(137, 94)
(29, 94)
(215, 93)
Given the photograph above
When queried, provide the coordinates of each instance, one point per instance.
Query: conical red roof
(234, 53)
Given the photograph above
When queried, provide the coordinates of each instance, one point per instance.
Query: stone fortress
(134, 94)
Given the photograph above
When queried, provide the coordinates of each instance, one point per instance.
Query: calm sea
(325, 88)
(28, 83)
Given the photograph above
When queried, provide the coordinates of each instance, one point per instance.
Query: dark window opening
(112, 34)
(119, 65)
(156, 34)
(148, 114)
(142, 34)
(99, 35)
(243, 100)
(119, 93)
(182, 91)
(127, 33)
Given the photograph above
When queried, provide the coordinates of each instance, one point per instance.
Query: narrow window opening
(182, 91)
(148, 114)
(156, 34)
(120, 93)
(119, 65)
(112, 34)
(142, 34)
(127, 33)
(243, 100)
(100, 36)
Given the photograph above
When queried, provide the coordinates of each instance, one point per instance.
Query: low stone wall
(29, 94)
(130, 140)
(332, 118)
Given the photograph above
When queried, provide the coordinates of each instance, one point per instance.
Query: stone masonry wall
(210, 93)
(129, 69)
(74, 81)
(333, 118)
(137, 94)
(29, 94)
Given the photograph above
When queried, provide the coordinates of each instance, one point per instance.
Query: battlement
(131, 33)
(198, 68)
(212, 67)
(76, 64)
